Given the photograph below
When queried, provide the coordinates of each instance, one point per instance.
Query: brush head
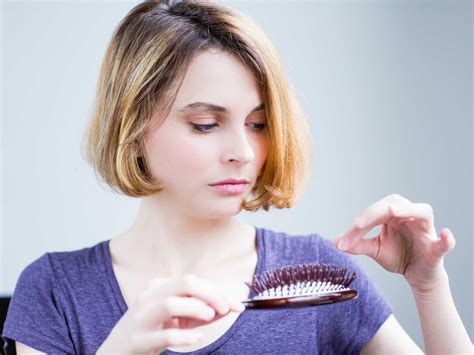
(301, 285)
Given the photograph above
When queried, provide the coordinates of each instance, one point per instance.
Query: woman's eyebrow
(207, 107)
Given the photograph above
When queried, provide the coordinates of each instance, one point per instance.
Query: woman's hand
(407, 243)
(164, 315)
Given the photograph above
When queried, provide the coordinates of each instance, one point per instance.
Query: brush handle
(299, 301)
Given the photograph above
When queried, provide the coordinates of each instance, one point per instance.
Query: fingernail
(210, 312)
(240, 307)
(223, 308)
(343, 244)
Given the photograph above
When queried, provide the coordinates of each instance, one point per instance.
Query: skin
(189, 228)
(408, 244)
(188, 215)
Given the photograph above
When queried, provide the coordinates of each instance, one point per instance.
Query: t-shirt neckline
(224, 337)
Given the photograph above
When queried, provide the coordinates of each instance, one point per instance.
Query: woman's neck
(172, 248)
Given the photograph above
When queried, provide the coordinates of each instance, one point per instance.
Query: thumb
(335, 241)
(369, 247)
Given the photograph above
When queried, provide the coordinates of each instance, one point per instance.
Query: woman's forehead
(220, 81)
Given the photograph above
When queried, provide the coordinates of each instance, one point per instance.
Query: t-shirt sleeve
(363, 315)
(374, 309)
(35, 316)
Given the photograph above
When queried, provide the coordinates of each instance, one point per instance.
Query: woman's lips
(230, 189)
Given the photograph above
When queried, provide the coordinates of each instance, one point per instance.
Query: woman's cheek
(195, 157)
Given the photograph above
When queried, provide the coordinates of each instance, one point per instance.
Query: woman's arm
(391, 338)
(443, 330)
(408, 245)
(442, 327)
(22, 349)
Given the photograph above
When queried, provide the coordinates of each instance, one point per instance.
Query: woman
(192, 94)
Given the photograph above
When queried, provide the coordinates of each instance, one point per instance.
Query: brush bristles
(301, 279)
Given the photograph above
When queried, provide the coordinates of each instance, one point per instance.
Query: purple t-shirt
(68, 302)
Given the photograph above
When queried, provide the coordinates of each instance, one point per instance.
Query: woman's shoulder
(54, 287)
(55, 265)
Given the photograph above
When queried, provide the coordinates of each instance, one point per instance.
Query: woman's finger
(445, 243)
(149, 341)
(193, 286)
(418, 211)
(174, 306)
(376, 214)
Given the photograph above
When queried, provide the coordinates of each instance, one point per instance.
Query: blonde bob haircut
(142, 70)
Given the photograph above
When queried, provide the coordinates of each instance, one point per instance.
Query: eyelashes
(205, 128)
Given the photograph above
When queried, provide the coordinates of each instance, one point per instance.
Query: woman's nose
(238, 148)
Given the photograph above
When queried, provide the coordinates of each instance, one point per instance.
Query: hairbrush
(301, 285)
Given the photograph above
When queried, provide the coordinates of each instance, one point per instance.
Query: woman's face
(233, 144)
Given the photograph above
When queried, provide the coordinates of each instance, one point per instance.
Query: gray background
(387, 87)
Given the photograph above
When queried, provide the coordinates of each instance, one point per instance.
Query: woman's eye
(203, 127)
(259, 126)
(208, 127)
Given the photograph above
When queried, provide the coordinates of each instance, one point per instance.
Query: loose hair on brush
(145, 64)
